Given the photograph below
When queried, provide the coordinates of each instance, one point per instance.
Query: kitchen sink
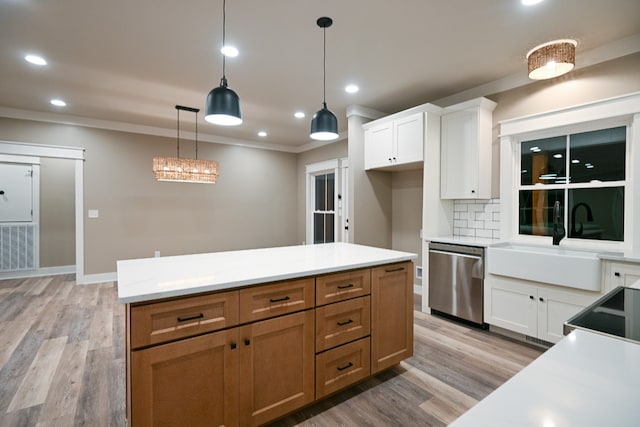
(555, 265)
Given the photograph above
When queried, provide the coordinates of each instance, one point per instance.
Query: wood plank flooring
(62, 364)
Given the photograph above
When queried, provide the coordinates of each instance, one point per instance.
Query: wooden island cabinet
(249, 354)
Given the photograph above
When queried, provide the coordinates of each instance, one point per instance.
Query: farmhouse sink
(572, 268)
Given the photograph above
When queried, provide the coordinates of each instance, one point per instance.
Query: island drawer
(275, 299)
(160, 322)
(342, 322)
(341, 286)
(342, 366)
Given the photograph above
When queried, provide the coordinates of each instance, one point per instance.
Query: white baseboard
(91, 279)
(44, 271)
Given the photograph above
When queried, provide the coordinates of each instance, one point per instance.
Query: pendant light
(223, 104)
(180, 169)
(552, 59)
(324, 124)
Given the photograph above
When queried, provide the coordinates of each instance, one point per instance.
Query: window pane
(328, 228)
(321, 192)
(318, 228)
(543, 161)
(596, 213)
(536, 211)
(330, 191)
(598, 155)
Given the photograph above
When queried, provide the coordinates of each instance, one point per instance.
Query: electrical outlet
(93, 213)
(156, 254)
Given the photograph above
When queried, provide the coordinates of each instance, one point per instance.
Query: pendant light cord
(196, 113)
(178, 132)
(324, 67)
(224, 32)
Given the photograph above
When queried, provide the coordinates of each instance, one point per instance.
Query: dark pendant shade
(324, 125)
(223, 106)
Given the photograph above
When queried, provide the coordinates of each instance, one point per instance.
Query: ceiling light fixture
(324, 124)
(223, 104)
(35, 60)
(176, 169)
(58, 103)
(262, 133)
(531, 2)
(299, 115)
(552, 59)
(351, 89)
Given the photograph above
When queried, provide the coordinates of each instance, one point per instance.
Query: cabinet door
(408, 138)
(391, 315)
(276, 367)
(555, 308)
(459, 155)
(621, 274)
(192, 382)
(378, 142)
(511, 305)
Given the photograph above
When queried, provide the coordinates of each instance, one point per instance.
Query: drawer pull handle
(346, 322)
(350, 285)
(280, 299)
(347, 366)
(186, 319)
(392, 270)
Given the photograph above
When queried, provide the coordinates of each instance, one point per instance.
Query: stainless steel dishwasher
(456, 280)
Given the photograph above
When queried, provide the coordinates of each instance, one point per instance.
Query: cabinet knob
(473, 191)
(247, 341)
(233, 346)
(541, 299)
(617, 274)
(531, 297)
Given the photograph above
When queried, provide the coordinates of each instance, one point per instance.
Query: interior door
(16, 192)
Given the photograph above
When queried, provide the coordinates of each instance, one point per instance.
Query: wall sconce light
(552, 59)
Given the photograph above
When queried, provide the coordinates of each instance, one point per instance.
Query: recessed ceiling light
(299, 115)
(229, 51)
(262, 133)
(557, 156)
(58, 103)
(35, 59)
(575, 161)
(351, 89)
(531, 2)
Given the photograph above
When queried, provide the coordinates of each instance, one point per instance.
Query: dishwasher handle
(477, 270)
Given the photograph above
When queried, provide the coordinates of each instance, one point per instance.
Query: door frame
(340, 168)
(72, 153)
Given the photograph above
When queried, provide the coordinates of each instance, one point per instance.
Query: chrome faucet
(578, 232)
(558, 228)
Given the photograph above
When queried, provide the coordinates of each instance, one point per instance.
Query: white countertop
(153, 278)
(585, 380)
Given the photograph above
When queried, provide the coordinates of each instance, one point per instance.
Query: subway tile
(462, 215)
(496, 216)
(460, 207)
(484, 234)
(476, 208)
(492, 225)
(468, 232)
(460, 223)
(496, 234)
(476, 224)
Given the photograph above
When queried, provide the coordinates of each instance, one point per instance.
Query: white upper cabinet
(397, 142)
(466, 150)
(391, 143)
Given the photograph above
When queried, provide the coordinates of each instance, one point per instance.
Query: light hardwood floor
(62, 364)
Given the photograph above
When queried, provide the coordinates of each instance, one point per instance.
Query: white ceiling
(132, 61)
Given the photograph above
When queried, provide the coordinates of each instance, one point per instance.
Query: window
(585, 172)
(324, 211)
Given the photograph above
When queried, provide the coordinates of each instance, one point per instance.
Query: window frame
(338, 167)
(614, 112)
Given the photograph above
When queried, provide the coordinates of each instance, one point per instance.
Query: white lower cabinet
(618, 273)
(536, 310)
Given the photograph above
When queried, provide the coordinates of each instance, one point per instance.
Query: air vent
(17, 247)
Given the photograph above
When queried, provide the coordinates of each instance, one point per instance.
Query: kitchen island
(244, 337)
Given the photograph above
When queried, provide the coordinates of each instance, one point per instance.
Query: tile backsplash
(477, 218)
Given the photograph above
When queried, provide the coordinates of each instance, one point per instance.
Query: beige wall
(406, 213)
(57, 212)
(337, 150)
(252, 205)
